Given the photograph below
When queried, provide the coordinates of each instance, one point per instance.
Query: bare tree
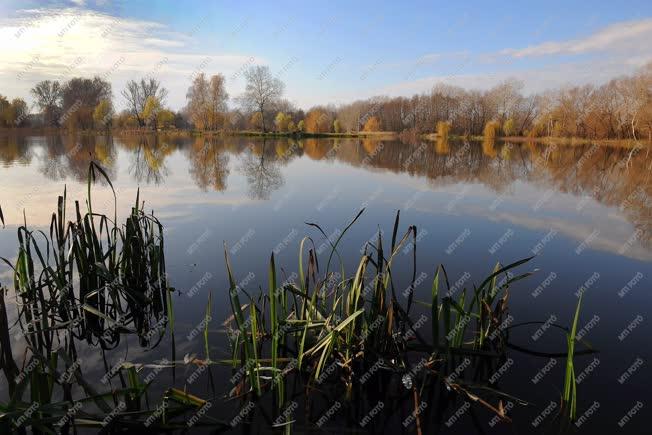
(262, 90)
(89, 92)
(137, 93)
(505, 96)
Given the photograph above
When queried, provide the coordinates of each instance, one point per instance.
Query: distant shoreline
(549, 140)
(380, 135)
(301, 135)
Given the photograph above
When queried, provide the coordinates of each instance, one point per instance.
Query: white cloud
(59, 44)
(624, 47)
(619, 36)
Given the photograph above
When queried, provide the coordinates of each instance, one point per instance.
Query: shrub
(491, 129)
(372, 124)
(443, 127)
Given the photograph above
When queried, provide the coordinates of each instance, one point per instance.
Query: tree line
(619, 109)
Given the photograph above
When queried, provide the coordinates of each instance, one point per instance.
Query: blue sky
(325, 52)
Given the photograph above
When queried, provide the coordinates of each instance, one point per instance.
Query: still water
(584, 210)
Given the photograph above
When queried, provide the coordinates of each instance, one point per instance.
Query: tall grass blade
(570, 393)
(170, 311)
(207, 319)
(239, 318)
(434, 309)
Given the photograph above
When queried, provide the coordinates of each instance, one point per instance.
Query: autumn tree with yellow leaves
(102, 114)
(372, 124)
(282, 121)
(207, 100)
(318, 121)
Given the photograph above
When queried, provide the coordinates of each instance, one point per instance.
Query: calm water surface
(584, 210)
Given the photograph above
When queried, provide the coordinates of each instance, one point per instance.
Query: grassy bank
(380, 135)
(364, 134)
(247, 133)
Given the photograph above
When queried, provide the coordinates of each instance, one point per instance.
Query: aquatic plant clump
(89, 280)
(358, 327)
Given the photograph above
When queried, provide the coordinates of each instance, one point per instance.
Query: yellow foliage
(315, 149)
(442, 146)
(166, 118)
(256, 120)
(281, 121)
(102, 113)
(151, 110)
(506, 151)
(370, 145)
(372, 124)
(443, 127)
(491, 129)
(103, 152)
(489, 146)
(509, 127)
(126, 120)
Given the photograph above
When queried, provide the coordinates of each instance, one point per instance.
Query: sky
(325, 52)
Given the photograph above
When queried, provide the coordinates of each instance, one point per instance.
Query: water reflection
(69, 156)
(15, 150)
(261, 166)
(209, 163)
(148, 154)
(613, 176)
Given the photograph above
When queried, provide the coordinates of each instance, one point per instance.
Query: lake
(584, 210)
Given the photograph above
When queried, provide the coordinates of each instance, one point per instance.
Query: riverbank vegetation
(617, 110)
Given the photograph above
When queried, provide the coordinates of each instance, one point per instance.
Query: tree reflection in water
(69, 156)
(209, 163)
(148, 158)
(619, 177)
(15, 149)
(262, 171)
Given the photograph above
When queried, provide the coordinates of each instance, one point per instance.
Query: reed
(350, 321)
(87, 280)
(569, 399)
